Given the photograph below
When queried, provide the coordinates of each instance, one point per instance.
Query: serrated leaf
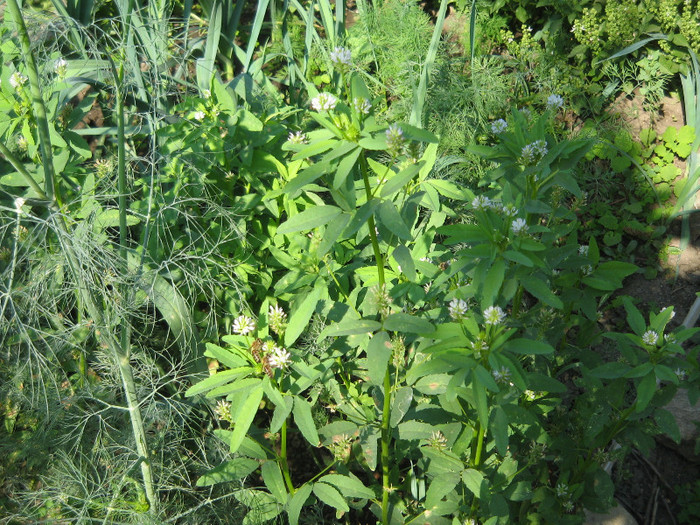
(305, 421)
(309, 219)
(228, 471)
(244, 417)
(330, 496)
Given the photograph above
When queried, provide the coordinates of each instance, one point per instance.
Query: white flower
(277, 319)
(243, 325)
(526, 112)
(532, 153)
(199, 115)
(341, 56)
(17, 79)
(529, 395)
(501, 375)
(19, 202)
(562, 490)
(426, 259)
(494, 315)
(457, 308)
(323, 102)
(479, 346)
(670, 338)
(518, 226)
(223, 410)
(498, 126)
(206, 93)
(60, 67)
(481, 202)
(361, 105)
(279, 357)
(555, 102)
(583, 250)
(297, 137)
(587, 269)
(650, 338)
(510, 211)
(680, 373)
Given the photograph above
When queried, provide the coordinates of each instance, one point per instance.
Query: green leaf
(411, 429)
(440, 487)
(307, 176)
(480, 402)
(645, 391)
(231, 470)
(473, 480)
(360, 217)
(400, 322)
(634, 317)
(332, 234)
(330, 496)
(309, 219)
(667, 424)
(390, 218)
(399, 180)
(300, 317)
(218, 379)
(305, 421)
(272, 477)
(348, 487)
(345, 167)
(518, 257)
(492, 283)
(499, 429)
(296, 503)
(356, 326)
(541, 291)
(402, 402)
(450, 190)
(528, 347)
(610, 371)
(281, 413)
(224, 356)
(379, 351)
(403, 258)
(245, 416)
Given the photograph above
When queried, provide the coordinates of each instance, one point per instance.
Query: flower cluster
(17, 79)
(199, 115)
(479, 346)
(394, 139)
(650, 338)
(481, 202)
(502, 375)
(518, 226)
(362, 105)
(555, 102)
(279, 357)
(494, 315)
(324, 102)
(277, 319)
(498, 126)
(243, 325)
(341, 56)
(297, 137)
(60, 67)
(532, 153)
(457, 308)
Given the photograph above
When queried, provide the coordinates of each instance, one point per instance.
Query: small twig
(669, 511)
(647, 512)
(656, 505)
(654, 469)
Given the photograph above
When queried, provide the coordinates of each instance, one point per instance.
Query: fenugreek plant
(442, 387)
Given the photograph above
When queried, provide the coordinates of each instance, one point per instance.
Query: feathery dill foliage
(69, 442)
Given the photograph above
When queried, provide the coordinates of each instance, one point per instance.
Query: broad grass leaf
(296, 503)
(272, 477)
(401, 404)
(228, 471)
(300, 317)
(540, 290)
(309, 219)
(379, 351)
(305, 421)
(349, 487)
(400, 322)
(330, 496)
(245, 416)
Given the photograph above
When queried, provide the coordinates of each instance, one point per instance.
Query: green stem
(17, 164)
(370, 222)
(38, 107)
(479, 446)
(386, 442)
(283, 459)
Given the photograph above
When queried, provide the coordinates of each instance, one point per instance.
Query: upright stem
(386, 407)
(38, 107)
(283, 460)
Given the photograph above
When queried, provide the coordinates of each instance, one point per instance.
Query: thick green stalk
(38, 107)
(386, 407)
(17, 164)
